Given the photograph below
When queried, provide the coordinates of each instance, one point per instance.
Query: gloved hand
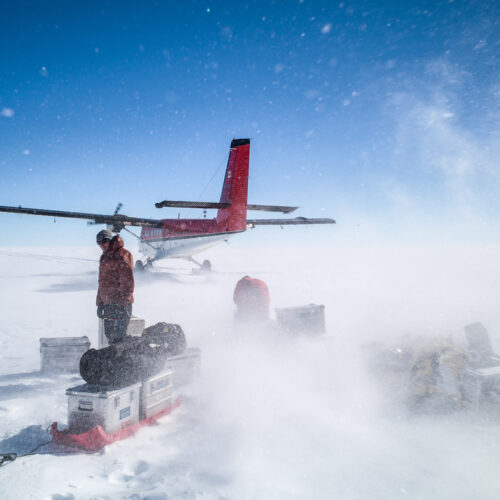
(100, 311)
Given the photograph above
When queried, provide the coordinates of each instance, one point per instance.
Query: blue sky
(382, 115)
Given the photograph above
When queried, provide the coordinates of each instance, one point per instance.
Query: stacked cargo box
(308, 319)
(116, 408)
(62, 354)
(186, 366)
(156, 394)
(112, 409)
(135, 328)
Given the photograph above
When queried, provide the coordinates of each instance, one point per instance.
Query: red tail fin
(235, 188)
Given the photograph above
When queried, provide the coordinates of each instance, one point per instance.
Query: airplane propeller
(117, 209)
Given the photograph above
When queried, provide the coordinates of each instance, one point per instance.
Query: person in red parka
(116, 286)
(251, 297)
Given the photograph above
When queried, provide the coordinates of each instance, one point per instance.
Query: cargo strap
(6, 458)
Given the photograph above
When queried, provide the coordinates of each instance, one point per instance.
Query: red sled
(97, 438)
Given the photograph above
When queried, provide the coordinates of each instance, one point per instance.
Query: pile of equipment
(128, 384)
(438, 374)
(481, 379)
(114, 408)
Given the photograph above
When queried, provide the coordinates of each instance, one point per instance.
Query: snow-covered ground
(270, 418)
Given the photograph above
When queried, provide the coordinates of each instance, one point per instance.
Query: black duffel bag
(168, 334)
(127, 362)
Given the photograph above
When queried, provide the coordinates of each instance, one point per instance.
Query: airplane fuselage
(181, 238)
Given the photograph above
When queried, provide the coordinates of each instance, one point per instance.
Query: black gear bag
(124, 363)
(167, 334)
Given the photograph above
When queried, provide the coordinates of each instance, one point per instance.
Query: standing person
(116, 286)
(251, 297)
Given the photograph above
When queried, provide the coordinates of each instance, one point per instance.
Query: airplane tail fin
(235, 188)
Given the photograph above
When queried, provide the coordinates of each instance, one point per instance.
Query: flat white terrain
(271, 417)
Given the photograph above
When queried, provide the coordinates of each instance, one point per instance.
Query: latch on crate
(85, 405)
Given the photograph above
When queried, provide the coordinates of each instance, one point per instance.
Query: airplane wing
(191, 204)
(211, 204)
(117, 220)
(285, 222)
(272, 208)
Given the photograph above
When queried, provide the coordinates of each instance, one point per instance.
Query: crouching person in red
(251, 297)
(116, 286)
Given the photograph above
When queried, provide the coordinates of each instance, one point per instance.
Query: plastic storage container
(134, 329)
(156, 394)
(62, 354)
(186, 366)
(113, 409)
(308, 319)
(482, 386)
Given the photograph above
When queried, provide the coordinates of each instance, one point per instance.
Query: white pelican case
(62, 354)
(186, 366)
(481, 385)
(112, 409)
(156, 393)
(308, 319)
(134, 329)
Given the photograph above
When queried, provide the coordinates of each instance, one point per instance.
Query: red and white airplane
(183, 238)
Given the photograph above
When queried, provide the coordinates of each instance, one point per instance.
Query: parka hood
(116, 243)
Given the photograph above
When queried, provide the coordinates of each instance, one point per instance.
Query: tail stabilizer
(235, 188)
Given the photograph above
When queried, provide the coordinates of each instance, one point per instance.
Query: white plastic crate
(309, 319)
(482, 385)
(134, 329)
(114, 409)
(186, 366)
(156, 393)
(62, 354)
